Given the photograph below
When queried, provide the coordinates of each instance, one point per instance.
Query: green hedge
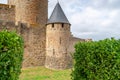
(11, 55)
(97, 60)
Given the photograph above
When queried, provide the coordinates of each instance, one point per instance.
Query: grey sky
(96, 19)
(3, 1)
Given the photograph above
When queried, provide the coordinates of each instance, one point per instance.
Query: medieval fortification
(48, 42)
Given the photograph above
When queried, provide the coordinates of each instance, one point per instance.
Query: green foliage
(11, 55)
(97, 60)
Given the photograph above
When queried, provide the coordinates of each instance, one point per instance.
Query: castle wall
(31, 11)
(7, 12)
(9, 25)
(34, 41)
(34, 54)
(50, 46)
(35, 14)
(73, 41)
(57, 42)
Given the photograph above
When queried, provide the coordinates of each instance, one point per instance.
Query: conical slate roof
(58, 15)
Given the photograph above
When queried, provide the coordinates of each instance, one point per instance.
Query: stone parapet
(7, 12)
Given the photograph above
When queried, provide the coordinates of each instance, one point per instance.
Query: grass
(41, 73)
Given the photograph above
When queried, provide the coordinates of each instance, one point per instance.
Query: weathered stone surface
(34, 38)
(7, 12)
(59, 63)
(30, 11)
(48, 46)
(57, 44)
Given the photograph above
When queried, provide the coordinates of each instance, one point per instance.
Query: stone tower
(30, 11)
(46, 43)
(57, 40)
(33, 14)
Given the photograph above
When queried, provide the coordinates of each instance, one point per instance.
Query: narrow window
(21, 29)
(52, 25)
(66, 50)
(36, 19)
(60, 40)
(62, 25)
(53, 51)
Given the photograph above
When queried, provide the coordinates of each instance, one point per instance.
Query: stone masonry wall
(34, 38)
(9, 25)
(73, 41)
(7, 12)
(57, 42)
(34, 54)
(31, 11)
(33, 17)
(49, 45)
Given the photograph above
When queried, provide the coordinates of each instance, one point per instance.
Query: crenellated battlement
(7, 24)
(4, 22)
(7, 12)
(7, 6)
(12, 26)
(58, 27)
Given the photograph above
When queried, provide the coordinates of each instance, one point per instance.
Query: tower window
(53, 51)
(52, 25)
(60, 40)
(66, 50)
(62, 25)
(36, 19)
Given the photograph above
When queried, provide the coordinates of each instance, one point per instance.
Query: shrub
(11, 55)
(97, 60)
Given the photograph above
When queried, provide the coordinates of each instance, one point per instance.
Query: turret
(31, 11)
(57, 40)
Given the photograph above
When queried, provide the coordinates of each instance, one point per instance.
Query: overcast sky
(96, 19)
